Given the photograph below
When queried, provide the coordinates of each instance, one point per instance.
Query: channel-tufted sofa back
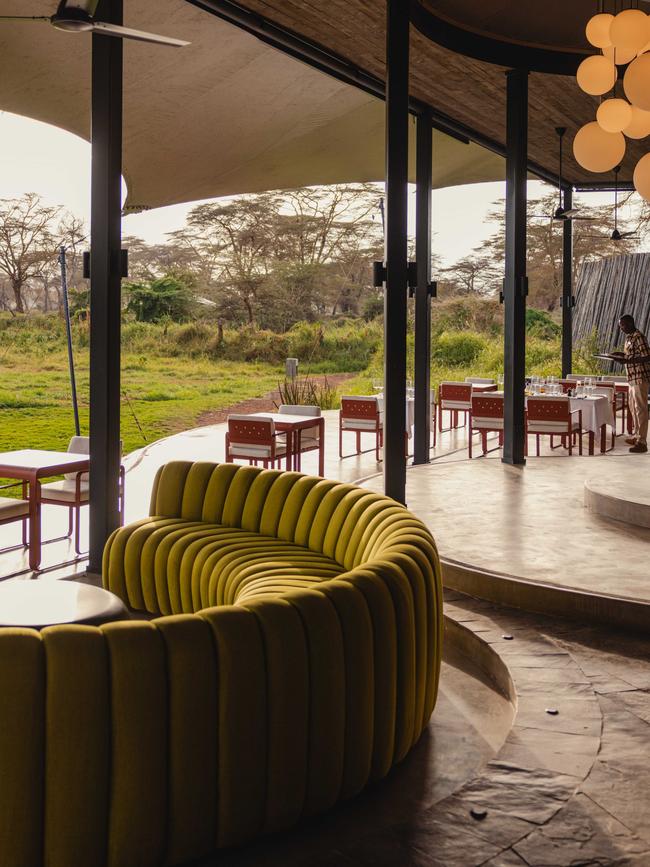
(138, 744)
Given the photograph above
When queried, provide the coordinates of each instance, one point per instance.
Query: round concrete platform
(521, 536)
(625, 499)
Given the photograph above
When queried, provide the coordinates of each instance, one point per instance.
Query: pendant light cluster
(624, 40)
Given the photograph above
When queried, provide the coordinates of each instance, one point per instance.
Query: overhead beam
(105, 283)
(395, 319)
(567, 288)
(422, 352)
(516, 280)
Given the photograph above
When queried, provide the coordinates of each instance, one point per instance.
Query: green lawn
(166, 394)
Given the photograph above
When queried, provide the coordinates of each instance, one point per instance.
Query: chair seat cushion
(553, 427)
(258, 451)
(65, 490)
(10, 509)
(487, 423)
(175, 566)
(464, 405)
(359, 424)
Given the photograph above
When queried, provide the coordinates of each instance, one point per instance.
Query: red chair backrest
(548, 409)
(567, 385)
(487, 407)
(456, 391)
(363, 409)
(253, 431)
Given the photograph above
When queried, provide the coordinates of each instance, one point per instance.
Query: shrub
(540, 324)
(457, 348)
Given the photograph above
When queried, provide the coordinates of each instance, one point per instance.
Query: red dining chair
(486, 417)
(12, 511)
(309, 437)
(454, 397)
(73, 492)
(360, 415)
(253, 438)
(552, 416)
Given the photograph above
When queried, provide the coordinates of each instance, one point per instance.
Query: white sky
(35, 157)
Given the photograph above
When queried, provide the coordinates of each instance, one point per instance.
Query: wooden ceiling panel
(470, 91)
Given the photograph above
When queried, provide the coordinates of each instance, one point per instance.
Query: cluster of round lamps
(624, 40)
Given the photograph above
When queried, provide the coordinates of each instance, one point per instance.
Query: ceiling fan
(561, 213)
(616, 235)
(77, 16)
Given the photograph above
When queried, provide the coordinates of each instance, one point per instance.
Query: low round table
(38, 603)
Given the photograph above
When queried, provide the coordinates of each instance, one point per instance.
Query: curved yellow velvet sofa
(308, 670)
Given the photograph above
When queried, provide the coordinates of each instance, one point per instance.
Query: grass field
(165, 394)
(171, 374)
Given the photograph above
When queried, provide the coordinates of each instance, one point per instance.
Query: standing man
(636, 358)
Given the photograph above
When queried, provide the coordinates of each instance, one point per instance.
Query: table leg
(321, 447)
(297, 454)
(592, 439)
(603, 439)
(34, 524)
(289, 450)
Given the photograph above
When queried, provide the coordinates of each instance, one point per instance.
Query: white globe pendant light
(614, 115)
(639, 125)
(597, 30)
(642, 177)
(597, 150)
(596, 75)
(636, 82)
(630, 30)
(619, 56)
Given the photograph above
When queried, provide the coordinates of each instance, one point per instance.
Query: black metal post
(105, 283)
(397, 124)
(68, 333)
(516, 281)
(422, 435)
(567, 288)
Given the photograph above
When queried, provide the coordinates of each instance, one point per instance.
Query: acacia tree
(28, 242)
(305, 250)
(591, 240)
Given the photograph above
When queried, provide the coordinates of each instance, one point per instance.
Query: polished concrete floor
(531, 522)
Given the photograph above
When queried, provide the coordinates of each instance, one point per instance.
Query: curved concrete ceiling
(223, 116)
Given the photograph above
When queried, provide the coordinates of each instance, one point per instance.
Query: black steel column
(516, 281)
(422, 435)
(397, 140)
(105, 283)
(567, 288)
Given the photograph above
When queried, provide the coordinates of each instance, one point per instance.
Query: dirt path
(266, 403)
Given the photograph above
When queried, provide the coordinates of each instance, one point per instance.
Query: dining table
(597, 415)
(30, 466)
(293, 425)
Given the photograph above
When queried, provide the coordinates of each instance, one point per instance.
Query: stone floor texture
(570, 785)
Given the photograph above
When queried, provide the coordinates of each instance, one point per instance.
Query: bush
(540, 324)
(458, 348)
(157, 300)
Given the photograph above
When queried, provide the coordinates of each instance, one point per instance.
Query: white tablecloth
(410, 412)
(596, 411)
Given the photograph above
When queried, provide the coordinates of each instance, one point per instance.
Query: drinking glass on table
(500, 381)
(377, 385)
